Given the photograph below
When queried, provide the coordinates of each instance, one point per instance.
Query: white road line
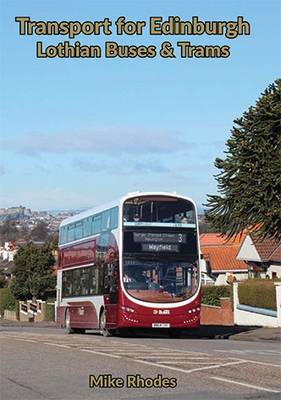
(265, 352)
(155, 358)
(185, 351)
(127, 344)
(273, 351)
(135, 352)
(100, 353)
(187, 362)
(27, 340)
(258, 362)
(244, 384)
(184, 370)
(232, 351)
(57, 345)
(115, 348)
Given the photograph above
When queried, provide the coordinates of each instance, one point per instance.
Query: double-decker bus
(131, 264)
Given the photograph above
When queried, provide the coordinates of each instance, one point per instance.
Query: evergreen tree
(249, 178)
(32, 272)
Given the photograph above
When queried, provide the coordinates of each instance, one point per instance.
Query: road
(47, 364)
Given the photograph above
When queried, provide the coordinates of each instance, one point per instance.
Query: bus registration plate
(160, 325)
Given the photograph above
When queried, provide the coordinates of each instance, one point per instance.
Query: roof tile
(223, 257)
(267, 248)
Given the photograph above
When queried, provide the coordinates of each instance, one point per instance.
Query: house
(8, 251)
(263, 257)
(220, 254)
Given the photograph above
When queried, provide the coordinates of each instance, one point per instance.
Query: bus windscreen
(160, 249)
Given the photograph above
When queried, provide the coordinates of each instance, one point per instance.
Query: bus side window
(70, 233)
(93, 280)
(105, 220)
(67, 283)
(96, 224)
(114, 218)
(77, 289)
(78, 230)
(85, 281)
(86, 227)
(62, 235)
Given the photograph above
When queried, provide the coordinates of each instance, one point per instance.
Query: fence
(32, 311)
(253, 316)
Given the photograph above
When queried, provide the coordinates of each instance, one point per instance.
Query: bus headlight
(193, 310)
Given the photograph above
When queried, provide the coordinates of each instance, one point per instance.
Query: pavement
(259, 334)
(244, 333)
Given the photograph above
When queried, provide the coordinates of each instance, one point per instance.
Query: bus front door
(111, 295)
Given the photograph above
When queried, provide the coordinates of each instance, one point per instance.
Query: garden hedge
(7, 301)
(211, 294)
(257, 293)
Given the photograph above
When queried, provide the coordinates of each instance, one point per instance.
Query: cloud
(110, 140)
(2, 170)
(123, 167)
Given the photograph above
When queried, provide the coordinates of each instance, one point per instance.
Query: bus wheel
(105, 332)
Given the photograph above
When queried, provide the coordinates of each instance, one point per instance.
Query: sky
(75, 133)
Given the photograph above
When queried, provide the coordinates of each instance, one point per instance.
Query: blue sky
(78, 132)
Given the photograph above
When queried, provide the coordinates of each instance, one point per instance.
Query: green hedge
(7, 301)
(257, 293)
(211, 294)
(49, 315)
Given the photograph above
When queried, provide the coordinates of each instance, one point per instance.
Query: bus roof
(89, 213)
(98, 209)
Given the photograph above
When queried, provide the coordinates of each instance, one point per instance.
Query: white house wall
(274, 268)
(222, 278)
(248, 251)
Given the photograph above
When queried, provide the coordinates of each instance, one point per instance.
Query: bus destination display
(165, 238)
(160, 247)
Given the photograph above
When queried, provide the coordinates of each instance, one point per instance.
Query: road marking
(244, 384)
(115, 348)
(27, 340)
(259, 362)
(57, 345)
(135, 352)
(262, 352)
(184, 370)
(117, 342)
(100, 353)
(232, 351)
(185, 351)
(186, 362)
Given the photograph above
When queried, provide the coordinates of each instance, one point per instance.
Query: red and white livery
(131, 264)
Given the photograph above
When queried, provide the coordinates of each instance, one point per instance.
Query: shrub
(49, 314)
(211, 294)
(7, 300)
(257, 293)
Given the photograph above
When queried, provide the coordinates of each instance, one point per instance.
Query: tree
(32, 272)
(40, 231)
(249, 178)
